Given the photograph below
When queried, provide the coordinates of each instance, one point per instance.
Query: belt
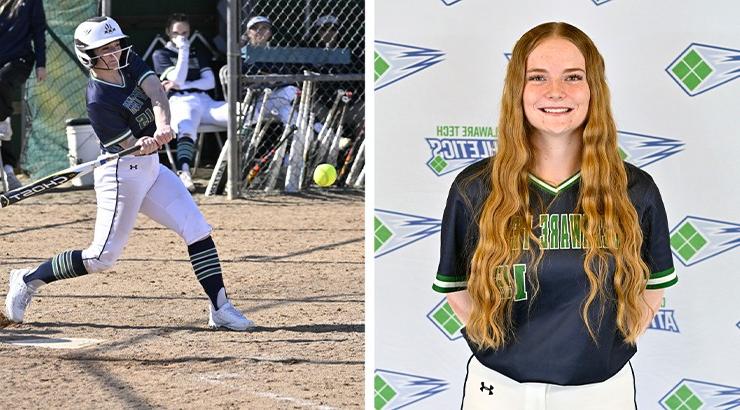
(188, 91)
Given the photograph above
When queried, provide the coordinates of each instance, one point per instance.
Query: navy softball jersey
(116, 111)
(165, 59)
(551, 343)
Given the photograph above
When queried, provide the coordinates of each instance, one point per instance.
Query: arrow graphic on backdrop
(641, 150)
(394, 230)
(394, 390)
(695, 394)
(394, 61)
(701, 67)
(696, 239)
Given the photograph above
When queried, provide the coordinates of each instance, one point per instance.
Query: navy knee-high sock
(207, 267)
(66, 265)
(185, 151)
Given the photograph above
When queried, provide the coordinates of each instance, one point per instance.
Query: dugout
(49, 104)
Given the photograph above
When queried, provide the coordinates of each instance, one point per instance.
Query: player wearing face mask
(187, 77)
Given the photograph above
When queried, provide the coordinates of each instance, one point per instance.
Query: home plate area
(137, 335)
(49, 342)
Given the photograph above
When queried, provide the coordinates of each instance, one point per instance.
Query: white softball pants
(190, 110)
(278, 103)
(136, 184)
(486, 389)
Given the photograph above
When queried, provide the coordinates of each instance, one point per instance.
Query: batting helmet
(95, 33)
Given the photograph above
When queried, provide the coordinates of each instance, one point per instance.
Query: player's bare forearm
(161, 106)
(460, 303)
(653, 299)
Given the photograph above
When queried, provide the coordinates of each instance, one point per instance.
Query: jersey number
(520, 277)
(520, 273)
(145, 118)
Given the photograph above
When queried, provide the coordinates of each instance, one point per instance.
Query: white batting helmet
(95, 33)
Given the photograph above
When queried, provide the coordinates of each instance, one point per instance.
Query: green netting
(61, 96)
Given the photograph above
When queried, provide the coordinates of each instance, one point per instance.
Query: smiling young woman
(554, 252)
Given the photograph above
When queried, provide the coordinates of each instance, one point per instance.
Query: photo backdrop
(439, 69)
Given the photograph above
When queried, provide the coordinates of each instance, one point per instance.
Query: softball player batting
(127, 106)
(555, 253)
(186, 77)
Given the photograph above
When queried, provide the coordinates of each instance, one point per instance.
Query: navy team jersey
(165, 59)
(551, 343)
(118, 112)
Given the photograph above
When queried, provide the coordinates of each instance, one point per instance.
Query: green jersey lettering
(554, 240)
(545, 233)
(576, 234)
(565, 241)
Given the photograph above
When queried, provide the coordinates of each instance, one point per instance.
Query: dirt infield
(293, 264)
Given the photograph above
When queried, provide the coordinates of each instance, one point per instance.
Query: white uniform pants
(278, 103)
(132, 185)
(191, 109)
(486, 389)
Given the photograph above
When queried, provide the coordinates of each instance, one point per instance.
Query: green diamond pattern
(382, 234)
(687, 241)
(384, 393)
(692, 70)
(438, 164)
(447, 319)
(381, 66)
(683, 399)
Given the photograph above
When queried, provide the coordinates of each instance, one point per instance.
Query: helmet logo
(109, 29)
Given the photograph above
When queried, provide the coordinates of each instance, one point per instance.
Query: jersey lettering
(561, 231)
(575, 229)
(135, 100)
(554, 239)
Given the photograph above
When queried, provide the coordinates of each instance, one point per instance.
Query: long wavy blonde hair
(610, 225)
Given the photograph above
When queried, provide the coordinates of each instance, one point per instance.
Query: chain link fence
(61, 96)
(302, 93)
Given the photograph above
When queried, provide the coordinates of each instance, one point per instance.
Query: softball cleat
(19, 296)
(187, 180)
(229, 317)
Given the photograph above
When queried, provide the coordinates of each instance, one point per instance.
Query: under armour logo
(133, 166)
(109, 29)
(489, 388)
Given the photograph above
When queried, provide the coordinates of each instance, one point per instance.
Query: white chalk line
(226, 378)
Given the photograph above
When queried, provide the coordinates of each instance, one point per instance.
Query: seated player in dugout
(127, 106)
(326, 33)
(187, 78)
(259, 34)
